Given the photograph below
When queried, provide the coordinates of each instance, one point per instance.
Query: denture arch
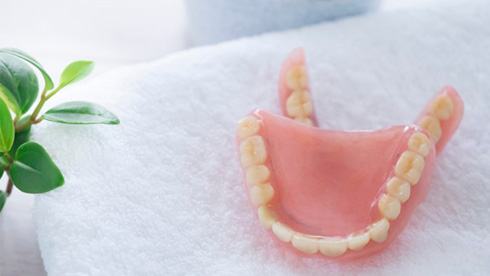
(338, 193)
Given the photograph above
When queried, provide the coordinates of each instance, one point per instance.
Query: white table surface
(111, 32)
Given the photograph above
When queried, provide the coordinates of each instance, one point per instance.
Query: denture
(342, 194)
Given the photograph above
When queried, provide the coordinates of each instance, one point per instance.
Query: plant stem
(10, 186)
(6, 160)
(44, 97)
(6, 166)
(38, 108)
(33, 119)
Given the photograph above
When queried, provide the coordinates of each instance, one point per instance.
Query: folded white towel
(162, 193)
(212, 21)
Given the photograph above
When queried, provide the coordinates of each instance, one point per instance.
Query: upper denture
(338, 193)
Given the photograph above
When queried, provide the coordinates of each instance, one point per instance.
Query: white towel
(212, 21)
(162, 193)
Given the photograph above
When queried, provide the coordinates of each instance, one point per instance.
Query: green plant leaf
(80, 113)
(20, 138)
(9, 99)
(4, 164)
(3, 199)
(19, 83)
(7, 129)
(76, 71)
(33, 171)
(20, 54)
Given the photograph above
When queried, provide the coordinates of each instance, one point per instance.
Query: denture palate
(396, 191)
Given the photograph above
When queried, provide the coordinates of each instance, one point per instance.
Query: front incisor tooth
(296, 78)
(282, 231)
(306, 121)
(332, 247)
(378, 231)
(248, 126)
(304, 243)
(432, 125)
(389, 206)
(261, 194)
(257, 174)
(419, 143)
(410, 166)
(252, 151)
(398, 188)
(267, 217)
(358, 241)
(299, 104)
(442, 107)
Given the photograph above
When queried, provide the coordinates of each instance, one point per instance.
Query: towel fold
(162, 193)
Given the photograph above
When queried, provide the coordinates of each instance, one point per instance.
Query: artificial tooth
(282, 231)
(410, 166)
(267, 217)
(389, 206)
(304, 243)
(306, 121)
(248, 126)
(432, 125)
(253, 151)
(257, 174)
(332, 247)
(358, 241)
(442, 107)
(398, 188)
(297, 78)
(419, 143)
(299, 104)
(261, 194)
(378, 231)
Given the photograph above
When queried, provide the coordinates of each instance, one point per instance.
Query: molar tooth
(358, 241)
(253, 151)
(261, 194)
(248, 126)
(398, 188)
(378, 231)
(410, 166)
(389, 206)
(267, 217)
(306, 121)
(257, 174)
(296, 78)
(282, 231)
(419, 143)
(432, 125)
(304, 243)
(332, 247)
(442, 107)
(299, 104)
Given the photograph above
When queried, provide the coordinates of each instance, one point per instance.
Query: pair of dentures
(338, 193)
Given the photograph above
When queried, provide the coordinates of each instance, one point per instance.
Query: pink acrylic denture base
(328, 182)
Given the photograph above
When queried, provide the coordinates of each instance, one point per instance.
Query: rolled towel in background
(213, 21)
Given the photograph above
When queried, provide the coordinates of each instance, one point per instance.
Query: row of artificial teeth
(408, 170)
(440, 109)
(299, 105)
(411, 163)
(253, 155)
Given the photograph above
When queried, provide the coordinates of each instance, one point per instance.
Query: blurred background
(112, 33)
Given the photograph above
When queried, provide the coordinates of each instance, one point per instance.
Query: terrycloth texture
(212, 21)
(162, 193)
